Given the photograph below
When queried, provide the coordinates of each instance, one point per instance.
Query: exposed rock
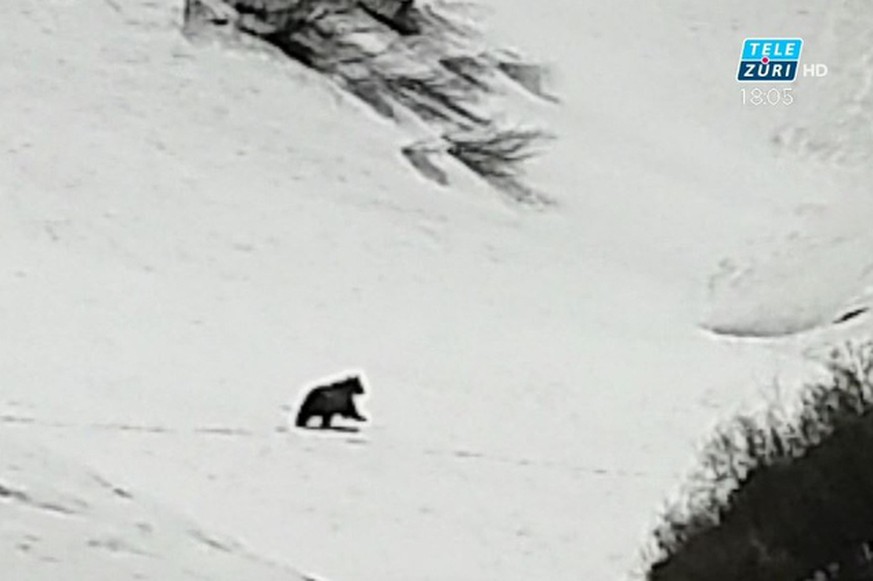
(397, 14)
(402, 57)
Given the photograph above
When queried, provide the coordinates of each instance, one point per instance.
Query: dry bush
(395, 55)
(433, 97)
(783, 499)
(496, 153)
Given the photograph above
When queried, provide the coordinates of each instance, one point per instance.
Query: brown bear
(331, 400)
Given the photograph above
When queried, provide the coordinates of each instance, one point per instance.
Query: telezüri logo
(770, 59)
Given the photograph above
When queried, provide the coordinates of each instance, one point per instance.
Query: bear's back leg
(309, 408)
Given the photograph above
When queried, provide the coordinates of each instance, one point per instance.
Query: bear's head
(353, 385)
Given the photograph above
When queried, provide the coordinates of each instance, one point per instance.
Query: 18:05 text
(773, 96)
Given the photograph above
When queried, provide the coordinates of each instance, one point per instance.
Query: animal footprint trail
(19, 421)
(315, 440)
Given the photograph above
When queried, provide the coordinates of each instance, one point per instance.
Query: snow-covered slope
(190, 233)
(769, 187)
(59, 521)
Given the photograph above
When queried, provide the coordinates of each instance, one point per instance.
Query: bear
(329, 400)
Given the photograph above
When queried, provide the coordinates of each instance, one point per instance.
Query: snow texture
(191, 232)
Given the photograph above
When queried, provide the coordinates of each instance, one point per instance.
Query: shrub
(472, 70)
(405, 61)
(783, 499)
(498, 156)
(495, 153)
(432, 97)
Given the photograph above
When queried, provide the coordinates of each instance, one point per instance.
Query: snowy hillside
(63, 522)
(191, 233)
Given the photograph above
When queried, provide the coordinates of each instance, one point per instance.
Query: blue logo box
(770, 59)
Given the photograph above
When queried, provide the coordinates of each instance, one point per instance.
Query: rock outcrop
(410, 62)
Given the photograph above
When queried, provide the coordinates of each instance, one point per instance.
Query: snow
(192, 233)
(63, 521)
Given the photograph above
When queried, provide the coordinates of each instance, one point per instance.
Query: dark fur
(331, 400)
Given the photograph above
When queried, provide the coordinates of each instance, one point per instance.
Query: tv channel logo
(770, 59)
